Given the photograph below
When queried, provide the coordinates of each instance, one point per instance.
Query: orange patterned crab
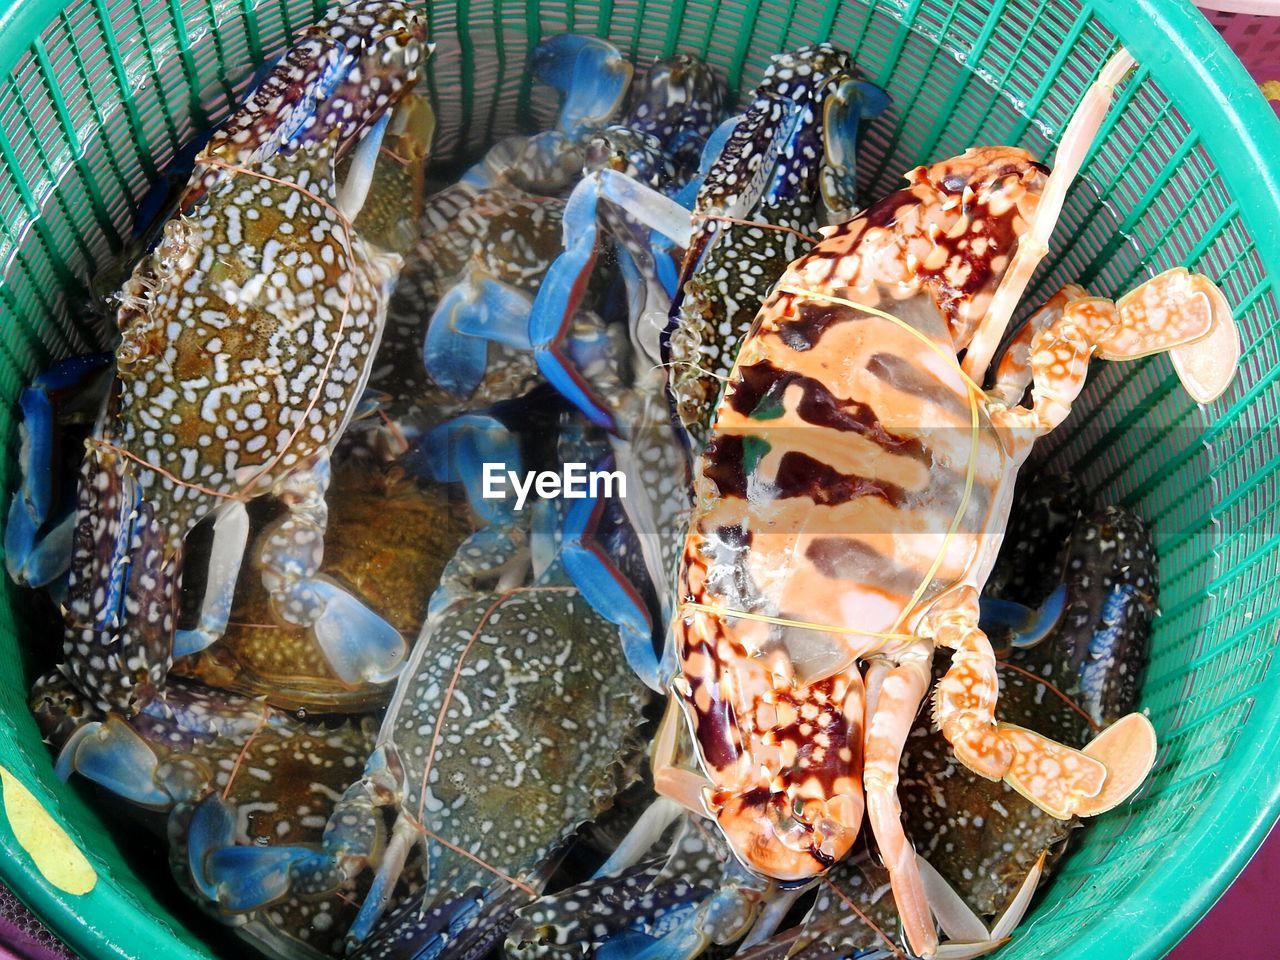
(853, 498)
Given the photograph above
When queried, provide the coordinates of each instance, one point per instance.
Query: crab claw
(845, 112)
(1028, 625)
(37, 537)
(556, 306)
(240, 878)
(212, 827)
(245, 878)
(114, 756)
(607, 590)
(474, 311)
(1128, 749)
(1185, 314)
(591, 73)
(360, 645)
(462, 446)
(1082, 783)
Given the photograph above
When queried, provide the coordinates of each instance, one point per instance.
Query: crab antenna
(1034, 244)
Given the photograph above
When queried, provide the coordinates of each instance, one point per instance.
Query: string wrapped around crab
(246, 341)
(852, 499)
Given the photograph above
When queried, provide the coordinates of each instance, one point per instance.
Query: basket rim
(1177, 45)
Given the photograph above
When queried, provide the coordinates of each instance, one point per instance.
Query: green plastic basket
(98, 94)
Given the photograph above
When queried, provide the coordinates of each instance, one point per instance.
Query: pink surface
(22, 936)
(1255, 40)
(1244, 924)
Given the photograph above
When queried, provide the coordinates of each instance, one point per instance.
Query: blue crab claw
(679, 944)
(212, 827)
(687, 195)
(723, 916)
(463, 450)
(667, 268)
(37, 538)
(591, 73)
(607, 590)
(564, 285)
(102, 549)
(845, 113)
(462, 447)
(114, 756)
(1028, 626)
(559, 298)
(32, 559)
(475, 310)
(454, 361)
(360, 646)
(245, 878)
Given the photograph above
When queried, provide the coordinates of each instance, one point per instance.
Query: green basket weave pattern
(98, 94)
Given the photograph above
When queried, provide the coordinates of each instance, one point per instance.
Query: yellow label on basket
(55, 854)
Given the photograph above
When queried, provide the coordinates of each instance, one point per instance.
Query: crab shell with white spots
(508, 729)
(246, 340)
(719, 299)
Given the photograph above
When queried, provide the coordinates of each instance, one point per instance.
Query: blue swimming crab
(246, 339)
(782, 170)
(499, 226)
(218, 769)
(504, 733)
(488, 312)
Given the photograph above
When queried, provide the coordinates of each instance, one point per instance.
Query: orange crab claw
(1082, 783)
(1128, 748)
(1207, 366)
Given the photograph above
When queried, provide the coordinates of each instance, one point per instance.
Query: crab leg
(889, 721)
(968, 937)
(1034, 244)
(37, 546)
(358, 643)
(1062, 781)
(1176, 310)
(607, 590)
(564, 285)
(230, 535)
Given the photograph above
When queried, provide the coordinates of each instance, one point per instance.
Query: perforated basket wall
(98, 94)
